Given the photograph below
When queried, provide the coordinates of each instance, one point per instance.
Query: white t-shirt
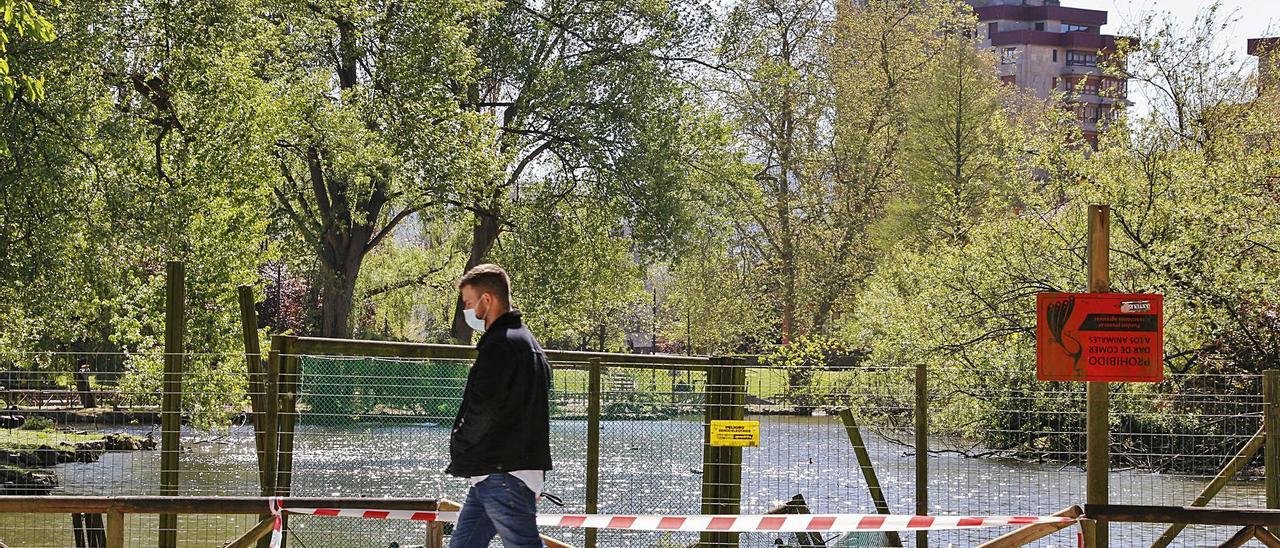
(533, 479)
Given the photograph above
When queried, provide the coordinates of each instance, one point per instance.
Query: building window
(1009, 56)
(1090, 86)
(1055, 83)
(1040, 25)
(1115, 87)
(1055, 56)
(1089, 113)
(1081, 59)
(992, 28)
(1068, 27)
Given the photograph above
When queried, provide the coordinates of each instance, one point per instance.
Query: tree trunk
(483, 235)
(337, 295)
(344, 245)
(786, 149)
(87, 400)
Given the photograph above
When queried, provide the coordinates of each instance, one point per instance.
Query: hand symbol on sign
(1057, 315)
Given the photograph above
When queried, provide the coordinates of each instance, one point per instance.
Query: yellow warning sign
(735, 433)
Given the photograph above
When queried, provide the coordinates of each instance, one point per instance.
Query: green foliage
(959, 148)
(803, 360)
(571, 269)
(37, 423)
(779, 107)
(406, 288)
(594, 112)
(371, 130)
(137, 155)
(711, 304)
(709, 298)
(638, 405)
(1192, 218)
(25, 27)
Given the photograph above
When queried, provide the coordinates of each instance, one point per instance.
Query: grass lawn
(26, 440)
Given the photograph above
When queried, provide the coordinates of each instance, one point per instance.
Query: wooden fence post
(115, 528)
(1271, 429)
(253, 368)
(711, 455)
(732, 496)
(868, 470)
(78, 530)
(435, 535)
(922, 448)
(593, 445)
(1098, 436)
(171, 396)
(722, 466)
(287, 419)
(1088, 533)
(271, 422)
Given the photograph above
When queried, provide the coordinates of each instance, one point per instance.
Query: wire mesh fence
(1000, 443)
(90, 424)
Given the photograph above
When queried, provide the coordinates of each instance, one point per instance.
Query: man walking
(501, 437)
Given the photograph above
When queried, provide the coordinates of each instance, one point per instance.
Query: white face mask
(470, 316)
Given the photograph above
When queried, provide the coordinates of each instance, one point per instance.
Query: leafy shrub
(37, 423)
(803, 359)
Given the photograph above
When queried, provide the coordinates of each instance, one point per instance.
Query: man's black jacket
(504, 422)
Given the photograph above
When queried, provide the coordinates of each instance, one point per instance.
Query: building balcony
(1095, 99)
(1093, 18)
(1083, 41)
(1080, 70)
(1258, 47)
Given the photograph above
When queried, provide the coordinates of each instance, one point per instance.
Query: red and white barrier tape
(793, 523)
(277, 533)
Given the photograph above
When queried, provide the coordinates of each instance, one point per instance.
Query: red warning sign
(1099, 337)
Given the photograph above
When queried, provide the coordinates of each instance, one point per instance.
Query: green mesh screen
(336, 391)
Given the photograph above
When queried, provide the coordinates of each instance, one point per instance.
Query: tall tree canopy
(145, 149)
(371, 129)
(591, 106)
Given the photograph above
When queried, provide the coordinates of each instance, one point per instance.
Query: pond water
(647, 467)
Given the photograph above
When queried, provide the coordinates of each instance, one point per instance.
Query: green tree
(406, 289)
(882, 60)
(776, 98)
(709, 298)
(571, 268)
(146, 148)
(25, 27)
(959, 149)
(591, 104)
(1193, 218)
(371, 130)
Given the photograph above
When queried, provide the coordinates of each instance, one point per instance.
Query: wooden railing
(116, 507)
(315, 346)
(1255, 524)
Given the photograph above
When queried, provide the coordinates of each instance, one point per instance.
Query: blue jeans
(501, 505)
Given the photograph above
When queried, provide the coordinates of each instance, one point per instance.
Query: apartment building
(1046, 48)
(1267, 50)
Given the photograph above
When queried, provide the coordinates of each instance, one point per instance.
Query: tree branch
(420, 279)
(391, 224)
